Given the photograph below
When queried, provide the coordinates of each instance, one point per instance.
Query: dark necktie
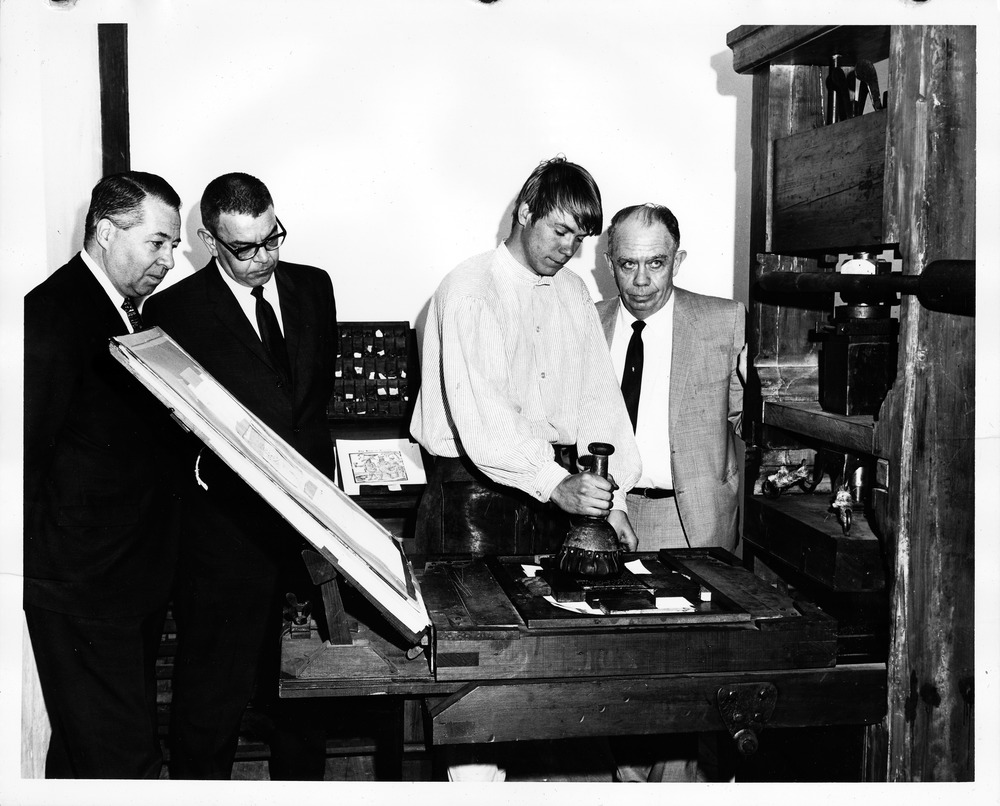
(632, 376)
(270, 333)
(133, 315)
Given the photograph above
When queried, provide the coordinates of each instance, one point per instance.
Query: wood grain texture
(756, 45)
(112, 50)
(828, 187)
(564, 709)
(926, 425)
(801, 531)
(854, 434)
(466, 656)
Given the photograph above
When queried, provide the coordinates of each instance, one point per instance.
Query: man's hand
(584, 494)
(619, 521)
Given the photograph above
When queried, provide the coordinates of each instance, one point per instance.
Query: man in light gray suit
(681, 357)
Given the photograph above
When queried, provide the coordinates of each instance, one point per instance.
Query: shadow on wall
(730, 84)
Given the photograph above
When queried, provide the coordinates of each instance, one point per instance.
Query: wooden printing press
(503, 649)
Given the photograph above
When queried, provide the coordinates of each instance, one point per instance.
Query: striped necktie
(133, 315)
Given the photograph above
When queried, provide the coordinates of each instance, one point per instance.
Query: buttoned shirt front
(652, 425)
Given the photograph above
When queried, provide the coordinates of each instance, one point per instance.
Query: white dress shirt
(514, 363)
(652, 424)
(113, 294)
(248, 302)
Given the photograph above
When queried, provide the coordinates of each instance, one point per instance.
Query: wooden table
(502, 665)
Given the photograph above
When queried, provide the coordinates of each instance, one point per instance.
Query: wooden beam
(515, 711)
(926, 425)
(112, 50)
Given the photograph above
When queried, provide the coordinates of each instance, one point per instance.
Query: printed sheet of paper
(358, 546)
(392, 463)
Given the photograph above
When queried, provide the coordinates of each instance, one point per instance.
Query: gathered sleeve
(504, 444)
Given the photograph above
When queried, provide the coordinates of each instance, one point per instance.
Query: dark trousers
(98, 678)
(462, 511)
(228, 631)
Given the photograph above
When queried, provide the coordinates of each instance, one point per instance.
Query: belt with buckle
(651, 492)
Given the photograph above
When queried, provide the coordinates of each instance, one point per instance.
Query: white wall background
(394, 134)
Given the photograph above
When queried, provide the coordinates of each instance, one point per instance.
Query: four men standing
(518, 380)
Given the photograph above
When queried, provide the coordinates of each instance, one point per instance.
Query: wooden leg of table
(389, 740)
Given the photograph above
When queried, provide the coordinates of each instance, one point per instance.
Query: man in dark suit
(99, 550)
(238, 558)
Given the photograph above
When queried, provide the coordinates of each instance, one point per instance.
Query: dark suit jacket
(233, 529)
(97, 495)
(705, 411)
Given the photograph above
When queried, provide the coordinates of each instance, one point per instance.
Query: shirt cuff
(547, 480)
(618, 500)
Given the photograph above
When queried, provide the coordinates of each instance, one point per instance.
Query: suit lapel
(227, 311)
(291, 315)
(681, 354)
(609, 318)
(91, 297)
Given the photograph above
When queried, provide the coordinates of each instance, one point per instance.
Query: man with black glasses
(267, 331)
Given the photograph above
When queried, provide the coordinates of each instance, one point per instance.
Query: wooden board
(926, 428)
(855, 434)
(828, 187)
(575, 708)
(756, 46)
(732, 584)
(370, 664)
(479, 636)
(469, 647)
(800, 531)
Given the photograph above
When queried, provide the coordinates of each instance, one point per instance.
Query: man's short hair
(119, 197)
(236, 193)
(560, 185)
(647, 214)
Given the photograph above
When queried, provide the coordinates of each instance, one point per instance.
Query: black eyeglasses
(249, 251)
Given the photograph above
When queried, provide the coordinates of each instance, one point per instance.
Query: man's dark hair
(647, 214)
(119, 197)
(560, 185)
(237, 193)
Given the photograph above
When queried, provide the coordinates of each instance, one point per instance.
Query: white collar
(102, 277)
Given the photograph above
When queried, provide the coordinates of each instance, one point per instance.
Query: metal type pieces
(745, 709)
(776, 483)
(591, 548)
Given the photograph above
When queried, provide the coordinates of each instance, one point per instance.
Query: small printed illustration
(378, 467)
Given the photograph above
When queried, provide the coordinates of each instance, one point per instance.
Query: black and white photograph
(406, 396)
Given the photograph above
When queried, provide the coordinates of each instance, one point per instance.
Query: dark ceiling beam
(112, 56)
